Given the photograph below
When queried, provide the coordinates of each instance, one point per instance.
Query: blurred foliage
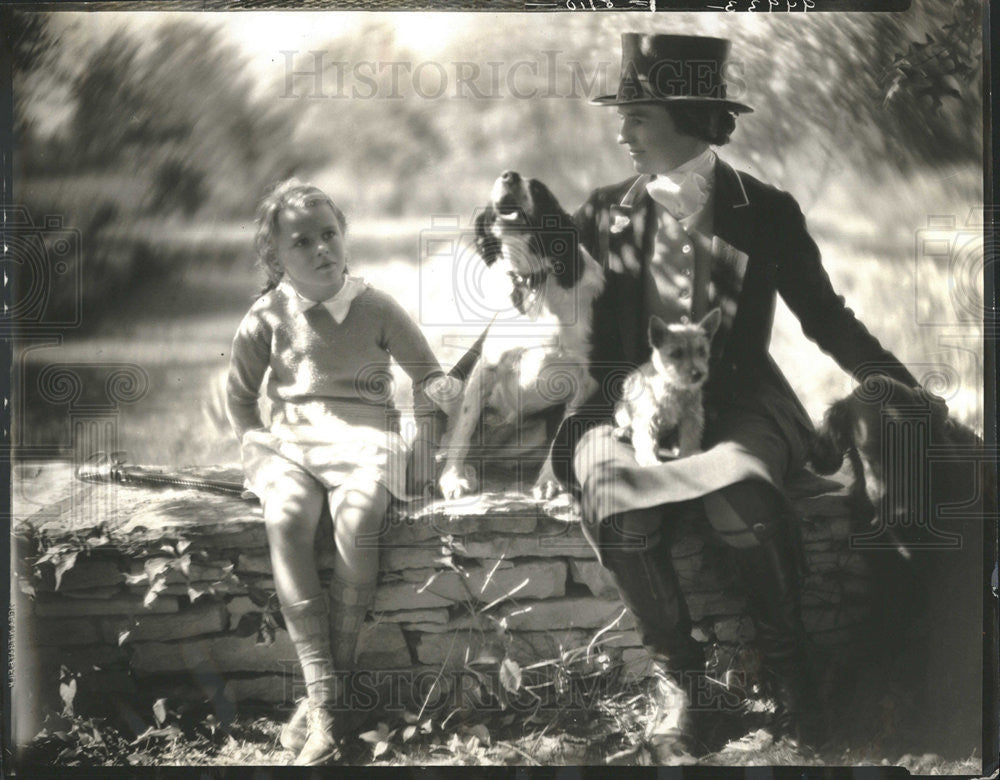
(179, 110)
(178, 114)
(128, 129)
(30, 40)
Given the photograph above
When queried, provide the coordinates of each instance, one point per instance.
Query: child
(327, 338)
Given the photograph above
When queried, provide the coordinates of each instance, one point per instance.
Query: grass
(608, 730)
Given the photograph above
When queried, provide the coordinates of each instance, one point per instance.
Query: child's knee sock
(349, 603)
(308, 624)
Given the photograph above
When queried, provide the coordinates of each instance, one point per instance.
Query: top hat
(673, 69)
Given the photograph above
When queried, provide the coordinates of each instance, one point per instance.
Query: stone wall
(145, 593)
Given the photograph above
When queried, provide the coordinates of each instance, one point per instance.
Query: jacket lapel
(730, 218)
(633, 232)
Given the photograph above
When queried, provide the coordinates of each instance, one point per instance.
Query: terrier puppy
(661, 400)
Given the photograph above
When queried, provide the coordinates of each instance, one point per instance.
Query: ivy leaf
(67, 692)
(64, 565)
(182, 546)
(379, 734)
(194, 593)
(258, 596)
(211, 723)
(153, 593)
(380, 748)
(156, 566)
(479, 732)
(249, 624)
(172, 731)
(510, 675)
(409, 732)
(123, 636)
(184, 562)
(136, 579)
(160, 711)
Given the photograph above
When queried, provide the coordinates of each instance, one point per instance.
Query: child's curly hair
(290, 193)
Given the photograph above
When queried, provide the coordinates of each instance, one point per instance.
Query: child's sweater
(312, 358)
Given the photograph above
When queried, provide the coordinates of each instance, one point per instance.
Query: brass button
(686, 249)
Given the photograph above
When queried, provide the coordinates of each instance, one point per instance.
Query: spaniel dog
(553, 284)
(874, 429)
(924, 491)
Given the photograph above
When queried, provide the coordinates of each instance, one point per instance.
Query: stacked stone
(171, 594)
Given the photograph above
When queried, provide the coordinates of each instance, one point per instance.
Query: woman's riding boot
(771, 583)
(648, 585)
(308, 625)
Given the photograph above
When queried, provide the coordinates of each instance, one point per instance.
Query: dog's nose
(511, 177)
(696, 376)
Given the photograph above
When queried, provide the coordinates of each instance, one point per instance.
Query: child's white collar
(338, 304)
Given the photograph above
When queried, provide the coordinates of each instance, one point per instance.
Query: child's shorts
(330, 450)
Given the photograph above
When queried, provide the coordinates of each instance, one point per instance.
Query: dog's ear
(658, 332)
(557, 236)
(544, 202)
(711, 322)
(487, 244)
(833, 439)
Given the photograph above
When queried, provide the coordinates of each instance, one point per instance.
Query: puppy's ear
(487, 244)
(833, 439)
(711, 322)
(658, 332)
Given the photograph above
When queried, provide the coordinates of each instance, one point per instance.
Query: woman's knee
(631, 532)
(746, 513)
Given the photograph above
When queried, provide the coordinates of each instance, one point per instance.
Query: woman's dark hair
(711, 124)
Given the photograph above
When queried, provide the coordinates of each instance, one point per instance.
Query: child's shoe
(321, 745)
(293, 733)
(308, 624)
